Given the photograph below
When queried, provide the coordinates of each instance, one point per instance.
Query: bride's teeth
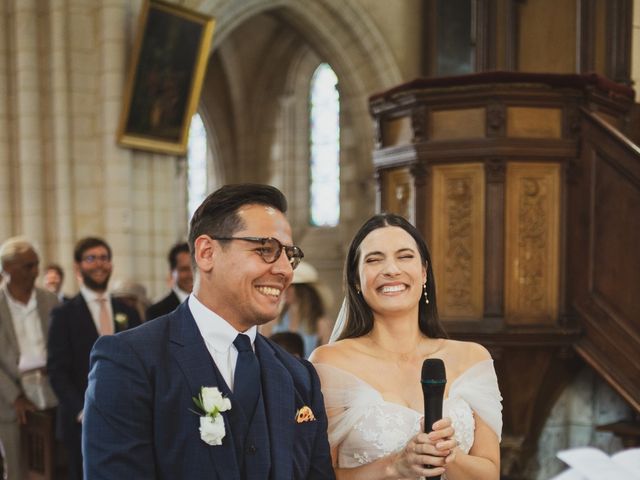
(393, 288)
(274, 292)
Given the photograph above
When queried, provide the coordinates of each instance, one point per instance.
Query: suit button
(251, 450)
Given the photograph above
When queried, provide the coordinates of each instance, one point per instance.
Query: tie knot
(243, 343)
(101, 299)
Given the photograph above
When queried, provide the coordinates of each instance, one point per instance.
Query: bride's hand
(434, 449)
(443, 437)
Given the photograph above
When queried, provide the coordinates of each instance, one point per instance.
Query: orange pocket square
(305, 414)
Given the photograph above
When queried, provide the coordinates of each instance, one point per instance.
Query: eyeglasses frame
(263, 240)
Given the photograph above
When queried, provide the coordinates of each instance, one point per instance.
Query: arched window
(196, 164)
(325, 148)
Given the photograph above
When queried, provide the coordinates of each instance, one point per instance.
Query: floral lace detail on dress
(383, 430)
(461, 416)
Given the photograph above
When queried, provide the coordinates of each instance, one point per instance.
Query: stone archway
(259, 86)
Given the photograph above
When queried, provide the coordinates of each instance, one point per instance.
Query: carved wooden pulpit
(494, 169)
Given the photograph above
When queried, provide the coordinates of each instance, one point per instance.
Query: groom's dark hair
(218, 213)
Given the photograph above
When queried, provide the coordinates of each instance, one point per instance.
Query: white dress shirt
(93, 302)
(28, 328)
(218, 336)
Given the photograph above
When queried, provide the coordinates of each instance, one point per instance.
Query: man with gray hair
(24, 314)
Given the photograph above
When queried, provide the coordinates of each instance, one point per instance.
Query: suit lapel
(85, 314)
(190, 351)
(5, 313)
(279, 404)
(43, 312)
(116, 308)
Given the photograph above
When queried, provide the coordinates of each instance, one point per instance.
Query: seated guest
(133, 294)
(304, 310)
(291, 341)
(181, 282)
(53, 280)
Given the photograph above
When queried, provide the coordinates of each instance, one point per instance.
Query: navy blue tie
(246, 379)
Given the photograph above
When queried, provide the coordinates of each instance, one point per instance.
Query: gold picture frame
(165, 77)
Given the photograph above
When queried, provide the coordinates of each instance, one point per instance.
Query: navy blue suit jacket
(139, 419)
(72, 333)
(167, 305)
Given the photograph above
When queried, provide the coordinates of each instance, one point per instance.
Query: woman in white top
(371, 375)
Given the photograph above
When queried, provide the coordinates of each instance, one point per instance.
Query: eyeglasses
(272, 249)
(95, 258)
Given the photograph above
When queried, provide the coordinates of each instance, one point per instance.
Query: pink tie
(106, 325)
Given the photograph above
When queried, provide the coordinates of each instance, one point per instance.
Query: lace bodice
(366, 427)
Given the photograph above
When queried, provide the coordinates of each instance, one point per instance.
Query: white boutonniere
(211, 402)
(121, 318)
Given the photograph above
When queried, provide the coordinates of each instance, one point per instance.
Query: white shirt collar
(31, 303)
(216, 331)
(91, 295)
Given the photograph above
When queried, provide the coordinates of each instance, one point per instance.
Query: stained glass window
(196, 164)
(325, 148)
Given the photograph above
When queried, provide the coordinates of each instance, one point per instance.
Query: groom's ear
(205, 252)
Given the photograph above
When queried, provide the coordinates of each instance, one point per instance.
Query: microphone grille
(433, 369)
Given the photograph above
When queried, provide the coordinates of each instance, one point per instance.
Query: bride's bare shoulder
(337, 353)
(467, 353)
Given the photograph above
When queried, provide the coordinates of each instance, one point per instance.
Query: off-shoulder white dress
(367, 427)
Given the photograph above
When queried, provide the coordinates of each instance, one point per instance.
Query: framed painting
(165, 77)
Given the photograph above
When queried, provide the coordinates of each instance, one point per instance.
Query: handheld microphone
(433, 381)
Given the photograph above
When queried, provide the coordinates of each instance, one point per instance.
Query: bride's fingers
(447, 444)
(429, 472)
(442, 423)
(441, 434)
(430, 449)
(434, 472)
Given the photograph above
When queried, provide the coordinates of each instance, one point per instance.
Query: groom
(140, 418)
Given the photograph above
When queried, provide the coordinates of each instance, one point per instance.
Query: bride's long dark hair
(359, 317)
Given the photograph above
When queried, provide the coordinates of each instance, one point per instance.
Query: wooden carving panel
(534, 122)
(458, 240)
(615, 238)
(532, 243)
(455, 124)
(396, 131)
(399, 195)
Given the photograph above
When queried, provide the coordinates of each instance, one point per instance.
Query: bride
(370, 373)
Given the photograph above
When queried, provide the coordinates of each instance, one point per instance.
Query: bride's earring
(358, 290)
(424, 289)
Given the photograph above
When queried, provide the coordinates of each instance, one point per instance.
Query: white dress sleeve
(478, 386)
(345, 398)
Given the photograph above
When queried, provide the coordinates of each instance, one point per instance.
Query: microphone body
(433, 381)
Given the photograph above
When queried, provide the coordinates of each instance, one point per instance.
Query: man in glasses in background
(269, 423)
(74, 328)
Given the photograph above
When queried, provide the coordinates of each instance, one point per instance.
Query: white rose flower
(211, 402)
(212, 399)
(212, 430)
(225, 405)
